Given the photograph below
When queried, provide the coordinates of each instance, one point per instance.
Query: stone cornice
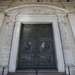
(33, 9)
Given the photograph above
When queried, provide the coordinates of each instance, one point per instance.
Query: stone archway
(33, 14)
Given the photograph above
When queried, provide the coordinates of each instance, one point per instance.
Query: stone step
(35, 73)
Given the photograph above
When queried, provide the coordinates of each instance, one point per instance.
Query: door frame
(35, 19)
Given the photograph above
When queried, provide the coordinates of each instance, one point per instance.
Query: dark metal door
(36, 47)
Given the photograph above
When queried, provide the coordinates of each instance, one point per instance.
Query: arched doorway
(35, 14)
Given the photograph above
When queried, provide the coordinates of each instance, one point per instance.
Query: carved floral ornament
(33, 9)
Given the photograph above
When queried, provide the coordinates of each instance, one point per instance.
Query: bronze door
(36, 47)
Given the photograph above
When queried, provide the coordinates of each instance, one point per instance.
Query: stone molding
(33, 9)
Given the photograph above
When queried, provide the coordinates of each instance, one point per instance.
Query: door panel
(36, 47)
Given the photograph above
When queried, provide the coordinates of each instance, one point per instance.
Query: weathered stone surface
(1, 18)
(5, 4)
(5, 39)
(6, 30)
(68, 43)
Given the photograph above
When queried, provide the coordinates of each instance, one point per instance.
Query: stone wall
(5, 4)
(6, 31)
(66, 24)
(1, 18)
